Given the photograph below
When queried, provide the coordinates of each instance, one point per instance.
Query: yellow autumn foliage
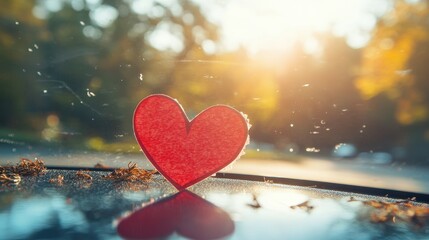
(385, 62)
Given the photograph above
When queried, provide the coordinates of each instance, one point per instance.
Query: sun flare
(279, 24)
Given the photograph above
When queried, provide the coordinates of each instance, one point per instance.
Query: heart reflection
(184, 213)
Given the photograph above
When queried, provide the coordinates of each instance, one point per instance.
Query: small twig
(255, 203)
(304, 205)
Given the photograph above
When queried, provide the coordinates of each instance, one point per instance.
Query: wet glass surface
(233, 209)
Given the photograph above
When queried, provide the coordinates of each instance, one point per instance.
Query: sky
(278, 24)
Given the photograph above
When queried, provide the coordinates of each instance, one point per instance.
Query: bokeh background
(333, 79)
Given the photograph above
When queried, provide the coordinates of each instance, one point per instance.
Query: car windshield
(335, 91)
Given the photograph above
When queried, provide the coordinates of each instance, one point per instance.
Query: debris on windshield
(268, 180)
(83, 175)
(304, 205)
(59, 180)
(25, 167)
(84, 178)
(255, 203)
(403, 210)
(352, 199)
(131, 174)
(100, 165)
(11, 178)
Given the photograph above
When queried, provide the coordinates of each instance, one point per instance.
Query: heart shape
(186, 152)
(185, 213)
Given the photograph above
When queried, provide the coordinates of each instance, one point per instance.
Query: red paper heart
(185, 213)
(184, 151)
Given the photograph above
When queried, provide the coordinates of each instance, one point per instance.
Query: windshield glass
(335, 91)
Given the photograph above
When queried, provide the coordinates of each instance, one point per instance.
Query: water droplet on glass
(361, 131)
(290, 149)
(72, 103)
(364, 126)
(16, 23)
(141, 77)
(45, 91)
(82, 23)
(257, 149)
(322, 121)
(13, 149)
(314, 132)
(316, 126)
(306, 85)
(312, 149)
(39, 73)
(344, 110)
(328, 129)
(36, 46)
(340, 145)
(30, 50)
(89, 93)
(291, 125)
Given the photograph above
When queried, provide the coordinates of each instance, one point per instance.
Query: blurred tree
(318, 104)
(18, 29)
(394, 72)
(91, 62)
(390, 59)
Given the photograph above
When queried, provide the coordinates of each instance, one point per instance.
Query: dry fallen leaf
(404, 210)
(25, 167)
(255, 203)
(83, 175)
(11, 174)
(304, 205)
(131, 174)
(100, 165)
(59, 180)
(10, 178)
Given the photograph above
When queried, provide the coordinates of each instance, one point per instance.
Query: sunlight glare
(279, 24)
